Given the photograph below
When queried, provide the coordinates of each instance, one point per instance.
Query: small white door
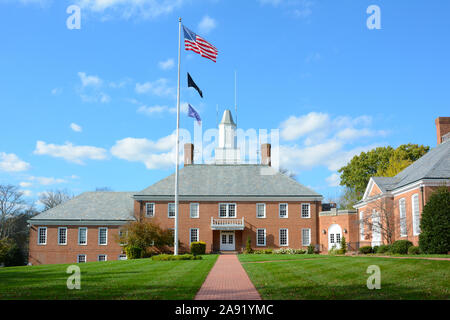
(227, 242)
(334, 236)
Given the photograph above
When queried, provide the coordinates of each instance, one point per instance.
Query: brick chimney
(188, 154)
(442, 128)
(265, 154)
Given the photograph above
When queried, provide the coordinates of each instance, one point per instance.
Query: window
(338, 238)
(306, 237)
(260, 237)
(283, 210)
(171, 210)
(260, 210)
(62, 236)
(103, 236)
(42, 236)
(193, 235)
(331, 237)
(150, 209)
(402, 209)
(122, 257)
(284, 237)
(102, 257)
(81, 258)
(227, 210)
(415, 214)
(305, 210)
(361, 225)
(194, 210)
(82, 236)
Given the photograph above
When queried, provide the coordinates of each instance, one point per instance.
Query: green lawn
(334, 277)
(133, 279)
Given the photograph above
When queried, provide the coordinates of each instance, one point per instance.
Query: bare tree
(381, 219)
(53, 198)
(12, 204)
(105, 189)
(288, 173)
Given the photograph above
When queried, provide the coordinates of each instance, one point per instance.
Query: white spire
(227, 152)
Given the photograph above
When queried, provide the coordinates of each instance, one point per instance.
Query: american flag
(199, 45)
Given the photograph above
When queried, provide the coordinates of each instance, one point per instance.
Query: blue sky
(93, 107)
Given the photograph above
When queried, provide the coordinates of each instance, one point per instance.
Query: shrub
(169, 257)
(341, 251)
(435, 223)
(401, 246)
(145, 234)
(366, 250)
(268, 251)
(258, 251)
(384, 248)
(248, 246)
(133, 252)
(413, 250)
(343, 246)
(198, 248)
(311, 249)
(299, 251)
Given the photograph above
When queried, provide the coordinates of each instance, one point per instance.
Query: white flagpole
(175, 251)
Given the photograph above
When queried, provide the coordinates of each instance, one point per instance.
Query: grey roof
(229, 180)
(93, 206)
(433, 165)
(227, 118)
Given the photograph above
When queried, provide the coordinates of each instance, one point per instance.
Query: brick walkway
(227, 280)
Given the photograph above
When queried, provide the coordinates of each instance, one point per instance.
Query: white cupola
(227, 152)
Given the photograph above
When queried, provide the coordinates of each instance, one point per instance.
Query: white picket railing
(223, 223)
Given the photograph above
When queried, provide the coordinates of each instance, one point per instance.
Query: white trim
(190, 235)
(252, 198)
(309, 210)
(369, 188)
(146, 209)
(168, 210)
(416, 223)
(59, 238)
(121, 255)
(265, 236)
(78, 222)
(309, 237)
(198, 210)
(257, 212)
(287, 211)
(80, 255)
(287, 237)
(400, 211)
(39, 236)
(106, 257)
(82, 244)
(102, 244)
(228, 209)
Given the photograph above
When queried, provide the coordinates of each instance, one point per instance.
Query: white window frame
(106, 257)
(402, 215)
(59, 237)
(287, 237)
(257, 237)
(171, 204)
(287, 211)
(257, 211)
(146, 209)
(81, 255)
(39, 236)
(361, 226)
(228, 210)
(415, 222)
(190, 235)
(102, 244)
(198, 210)
(309, 210)
(309, 237)
(79, 232)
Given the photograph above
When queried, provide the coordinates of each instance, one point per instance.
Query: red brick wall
(442, 127)
(272, 223)
(345, 221)
(53, 253)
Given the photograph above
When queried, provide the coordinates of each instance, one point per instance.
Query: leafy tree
(145, 234)
(53, 198)
(348, 199)
(435, 223)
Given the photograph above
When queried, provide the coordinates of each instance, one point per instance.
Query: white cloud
(24, 184)
(149, 111)
(167, 64)
(274, 3)
(159, 87)
(45, 181)
(69, 152)
(126, 9)
(26, 193)
(90, 90)
(207, 24)
(10, 162)
(88, 81)
(154, 154)
(75, 127)
(56, 91)
(296, 127)
(333, 180)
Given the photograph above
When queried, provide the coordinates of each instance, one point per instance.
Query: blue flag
(194, 114)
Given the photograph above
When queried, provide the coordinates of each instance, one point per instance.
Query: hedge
(169, 257)
(401, 246)
(198, 248)
(133, 252)
(413, 250)
(384, 248)
(366, 250)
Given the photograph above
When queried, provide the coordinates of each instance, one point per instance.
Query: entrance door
(334, 236)
(227, 242)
